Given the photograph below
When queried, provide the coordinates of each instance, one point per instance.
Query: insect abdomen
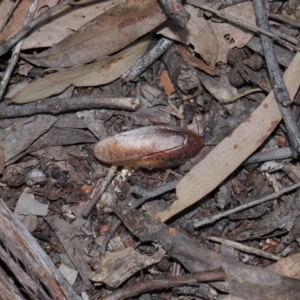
(149, 147)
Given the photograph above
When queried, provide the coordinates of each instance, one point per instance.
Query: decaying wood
(21, 254)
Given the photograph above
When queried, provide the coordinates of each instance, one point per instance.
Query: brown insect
(152, 147)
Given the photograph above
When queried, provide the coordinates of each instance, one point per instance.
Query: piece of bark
(113, 268)
(23, 248)
(167, 83)
(241, 280)
(192, 60)
(8, 290)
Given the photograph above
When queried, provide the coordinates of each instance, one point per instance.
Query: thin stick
(280, 91)
(153, 192)
(166, 283)
(284, 36)
(148, 59)
(244, 248)
(6, 46)
(279, 153)
(16, 52)
(242, 23)
(284, 19)
(100, 191)
(230, 100)
(212, 219)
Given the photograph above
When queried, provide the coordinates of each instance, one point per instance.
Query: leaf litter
(113, 30)
(61, 149)
(97, 73)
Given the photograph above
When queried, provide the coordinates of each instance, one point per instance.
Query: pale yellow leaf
(234, 149)
(100, 72)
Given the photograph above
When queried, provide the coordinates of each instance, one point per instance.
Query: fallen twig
(284, 19)
(280, 91)
(100, 191)
(166, 283)
(279, 153)
(175, 10)
(153, 192)
(244, 248)
(148, 59)
(58, 105)
(204, 221)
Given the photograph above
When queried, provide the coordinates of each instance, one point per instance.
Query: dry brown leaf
(167, 83)
(229, 35)
(219, 87)
(106, 34)
(17, 20)
(193, 61)
(198, 33)
(17, 137)
(54, 29)
(100, 72)
(233, 150)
